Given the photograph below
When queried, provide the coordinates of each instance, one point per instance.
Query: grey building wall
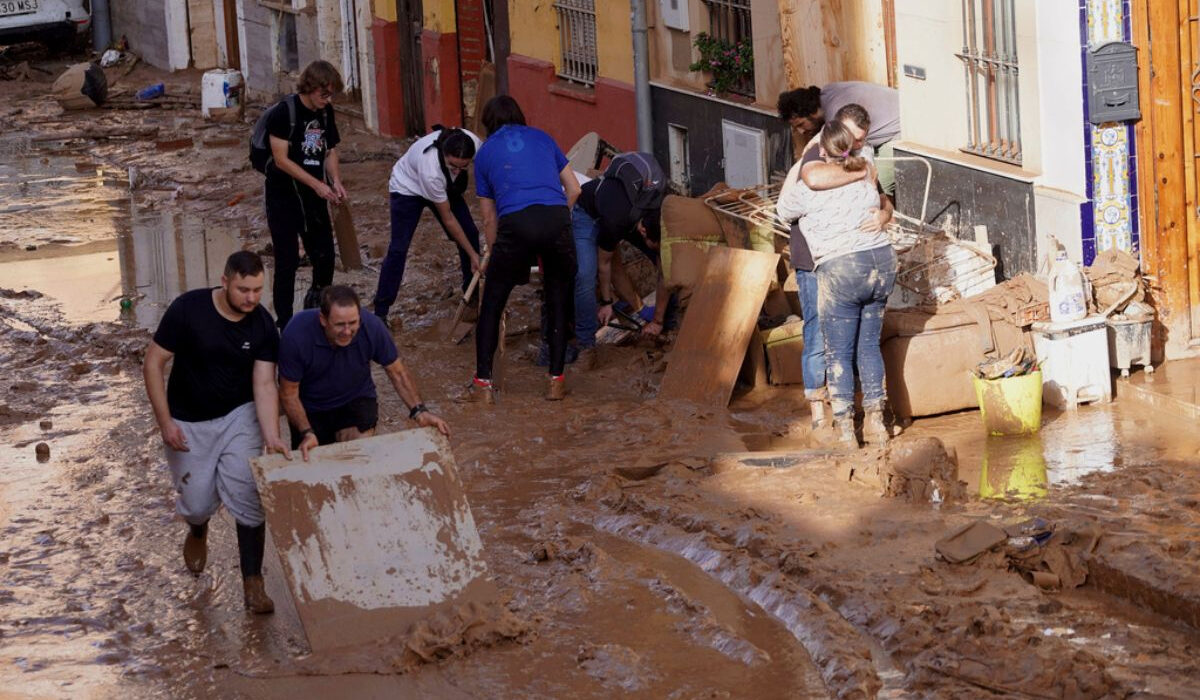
(144, 24)
(261, 44)
(702, 118)
(961, 198)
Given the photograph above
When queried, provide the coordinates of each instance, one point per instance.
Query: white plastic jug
(220, 88)
(1067, 300)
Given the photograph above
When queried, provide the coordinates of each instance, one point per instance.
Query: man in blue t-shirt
(325, 379)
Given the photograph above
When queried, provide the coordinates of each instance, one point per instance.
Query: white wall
(933, 111)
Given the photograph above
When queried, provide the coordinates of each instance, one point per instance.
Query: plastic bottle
(151, 91)
(1067, 300)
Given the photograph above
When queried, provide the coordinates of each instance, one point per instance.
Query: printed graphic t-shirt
(309, 143)
(214, 357)
(518, 167)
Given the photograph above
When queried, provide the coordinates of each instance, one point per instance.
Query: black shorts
(361, 413)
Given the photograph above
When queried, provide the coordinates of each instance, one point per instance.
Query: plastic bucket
(1012, 405)
(220, 88)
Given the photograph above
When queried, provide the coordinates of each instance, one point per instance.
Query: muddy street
(643, 548)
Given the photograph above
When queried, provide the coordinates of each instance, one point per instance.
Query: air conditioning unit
(674, 13)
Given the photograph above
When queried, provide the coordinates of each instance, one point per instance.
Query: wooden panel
(203, 28)
(373, 535)
(721, 316)
(1161, 178)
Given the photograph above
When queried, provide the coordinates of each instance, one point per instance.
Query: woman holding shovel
(526, 189)
(856, 269)
(432, 174)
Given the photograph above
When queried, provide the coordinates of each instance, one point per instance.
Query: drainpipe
(101, 28)
(641, 77)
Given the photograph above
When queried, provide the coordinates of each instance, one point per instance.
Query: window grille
(729, 21)
(989, 58)
(577, 40)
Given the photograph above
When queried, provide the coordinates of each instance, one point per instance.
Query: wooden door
(409, 21)
(1165, 36)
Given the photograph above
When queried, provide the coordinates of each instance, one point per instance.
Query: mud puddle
(57, 198)
(151, 258)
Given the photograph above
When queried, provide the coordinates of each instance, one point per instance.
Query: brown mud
(643, 547)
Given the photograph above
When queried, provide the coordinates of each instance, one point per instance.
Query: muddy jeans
(812, 362)
(215, 469)
(853, 290)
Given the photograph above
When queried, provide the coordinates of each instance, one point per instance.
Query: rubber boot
(195, 548)
(254, 592)
(875, 430)
(820, 417)
(844, 426)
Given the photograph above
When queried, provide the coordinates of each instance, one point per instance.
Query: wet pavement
(637, 565)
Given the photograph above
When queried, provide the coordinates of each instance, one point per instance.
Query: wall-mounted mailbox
(1112, 74)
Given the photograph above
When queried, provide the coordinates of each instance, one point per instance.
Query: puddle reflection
(1069, 446)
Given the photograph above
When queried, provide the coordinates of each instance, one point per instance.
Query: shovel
(452, 334)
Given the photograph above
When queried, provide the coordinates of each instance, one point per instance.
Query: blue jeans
(406, 213)
(853, 291)
(586, 325)
(813, 359)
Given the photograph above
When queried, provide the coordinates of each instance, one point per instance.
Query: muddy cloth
(215, 469)
(214, 357)
(332, 376)
(81, 86)
(1115, 280)
(533, 232)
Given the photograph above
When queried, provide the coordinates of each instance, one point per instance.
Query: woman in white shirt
(430, 175)
(856, 270)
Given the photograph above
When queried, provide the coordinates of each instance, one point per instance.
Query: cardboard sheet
(720, 318)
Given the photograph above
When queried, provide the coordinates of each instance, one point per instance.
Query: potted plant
(731, 65)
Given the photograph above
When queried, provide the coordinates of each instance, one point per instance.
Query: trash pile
(1046, 556)
(1018, 363)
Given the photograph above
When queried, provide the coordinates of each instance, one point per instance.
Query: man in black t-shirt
(603, 217)
(219, 409)
(304, 176)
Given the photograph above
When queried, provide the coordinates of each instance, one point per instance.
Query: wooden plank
(1187, 59)
(373, 535)
(484, 91)
(347, 237)
(721, 316)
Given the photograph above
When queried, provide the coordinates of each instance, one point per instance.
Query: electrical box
(745, 157)
(1112, 74)
(674, 13)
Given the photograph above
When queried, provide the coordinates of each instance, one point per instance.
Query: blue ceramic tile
(1089, 251)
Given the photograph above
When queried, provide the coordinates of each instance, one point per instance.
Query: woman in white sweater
(856, 270)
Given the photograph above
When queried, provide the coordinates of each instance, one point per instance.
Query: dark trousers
(294, 214)
(538, 231)
(406, 213)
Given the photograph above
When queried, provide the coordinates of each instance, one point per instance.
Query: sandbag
(82, 86)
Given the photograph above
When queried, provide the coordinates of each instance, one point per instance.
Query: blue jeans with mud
(813, 360)
(853, 290)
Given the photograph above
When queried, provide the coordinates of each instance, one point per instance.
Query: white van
(51, 20)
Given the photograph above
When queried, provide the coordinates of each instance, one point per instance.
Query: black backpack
(260, 141)
(641, 176)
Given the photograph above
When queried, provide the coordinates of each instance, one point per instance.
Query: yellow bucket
(1012, 405)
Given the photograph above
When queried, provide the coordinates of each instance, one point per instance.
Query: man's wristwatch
(606, 302)
(306, 432)
(417, 410)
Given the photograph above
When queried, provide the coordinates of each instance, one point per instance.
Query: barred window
(577, 40)
(989, 57)
(729, 24)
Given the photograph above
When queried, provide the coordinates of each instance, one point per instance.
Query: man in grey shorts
(219, 409)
